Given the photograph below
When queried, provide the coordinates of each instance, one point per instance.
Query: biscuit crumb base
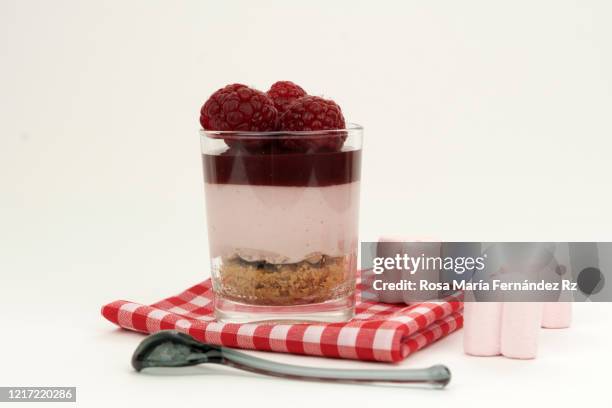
(261, 283)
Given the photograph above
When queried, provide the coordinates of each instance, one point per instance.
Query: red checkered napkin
(379, 331)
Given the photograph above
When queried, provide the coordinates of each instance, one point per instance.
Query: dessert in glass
(282, 211)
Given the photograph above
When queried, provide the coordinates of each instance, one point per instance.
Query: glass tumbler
(282, 213)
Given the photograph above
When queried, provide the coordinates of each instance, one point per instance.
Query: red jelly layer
(318, 169)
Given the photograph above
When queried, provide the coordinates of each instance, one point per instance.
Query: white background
(485, 120)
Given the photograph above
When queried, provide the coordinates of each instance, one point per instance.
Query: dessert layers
(281, 173)
(300, 283)
(282, 208)
(282, 224)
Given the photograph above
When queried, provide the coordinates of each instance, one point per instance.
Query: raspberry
(284, 93)
(239, 108)
(312, 113)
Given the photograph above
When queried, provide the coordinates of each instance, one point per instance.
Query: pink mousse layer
(280, 224)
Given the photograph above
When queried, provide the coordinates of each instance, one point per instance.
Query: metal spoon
(171, 348)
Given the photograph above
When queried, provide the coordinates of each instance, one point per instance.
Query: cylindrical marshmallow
(386, 249)
(520, 329)
(557, 315)
(482, 328)
(414, 249)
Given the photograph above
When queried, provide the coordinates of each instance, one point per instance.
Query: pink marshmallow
(482, 328)
(414, 248)
(520, 329)
(557, 315)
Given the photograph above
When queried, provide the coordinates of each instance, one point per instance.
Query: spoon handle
(437, 376)
(171, 348)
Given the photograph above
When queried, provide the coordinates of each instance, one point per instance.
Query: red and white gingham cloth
(379, 331)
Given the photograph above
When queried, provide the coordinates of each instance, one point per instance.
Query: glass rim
(239, 134)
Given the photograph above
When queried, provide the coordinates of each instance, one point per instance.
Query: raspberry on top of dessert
(284, 93)
(284, 109)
